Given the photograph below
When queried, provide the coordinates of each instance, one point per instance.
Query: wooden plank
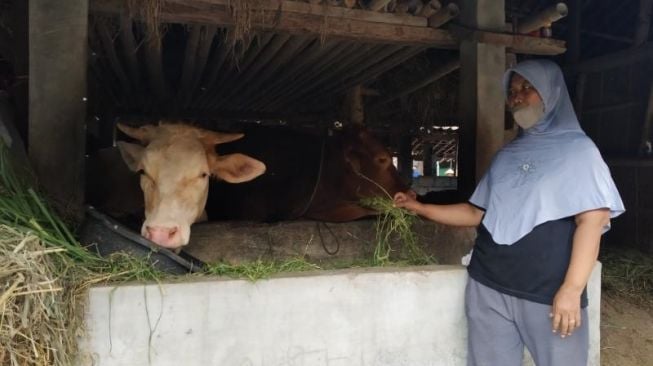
(196, 12)
(436, 75)
(368, 71)
(58, 43)
(201, 61)
(301, 24)
(329, 57)
(266, 68)
(335, 67)
(298, 69)
(188, 68)
(129, 49)
(323, 10)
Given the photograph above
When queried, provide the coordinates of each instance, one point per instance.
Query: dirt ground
(626, 332)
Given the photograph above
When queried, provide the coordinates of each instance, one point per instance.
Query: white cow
(175, 162)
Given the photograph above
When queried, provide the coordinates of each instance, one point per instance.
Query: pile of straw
(44, 275)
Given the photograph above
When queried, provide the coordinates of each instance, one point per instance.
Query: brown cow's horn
(144, 134)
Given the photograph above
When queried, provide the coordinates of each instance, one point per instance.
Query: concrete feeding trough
(382, 316)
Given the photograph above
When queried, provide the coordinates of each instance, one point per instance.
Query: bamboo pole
(430, 8)
(376, 5)
(443, 15)
(544, 18)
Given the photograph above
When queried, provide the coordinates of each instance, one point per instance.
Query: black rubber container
(106, 236)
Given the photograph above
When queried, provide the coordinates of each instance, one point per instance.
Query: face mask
(527, 117)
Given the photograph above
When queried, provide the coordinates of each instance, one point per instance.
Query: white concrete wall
(394, 316)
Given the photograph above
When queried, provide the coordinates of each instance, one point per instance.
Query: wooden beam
(58, 43)
(513, 43)
(199, 11)
(617, 59)
(296, 23)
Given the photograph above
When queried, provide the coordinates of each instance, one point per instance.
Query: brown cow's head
(369, 162)
(361, 167)
(175, 163)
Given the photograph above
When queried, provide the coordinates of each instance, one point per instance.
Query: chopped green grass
(260, 269)
(395, 222)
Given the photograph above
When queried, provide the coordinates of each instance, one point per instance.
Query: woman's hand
(407, 201)
(565, 312)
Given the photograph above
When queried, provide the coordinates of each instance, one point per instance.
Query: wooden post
(643, 22)
(641, 36)
(20, 36)
(406, 159)
(482, 102)
(57, 98)
(427, 158)
(354, 105)
(573, 36)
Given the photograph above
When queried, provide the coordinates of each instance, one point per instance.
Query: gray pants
(500, 325)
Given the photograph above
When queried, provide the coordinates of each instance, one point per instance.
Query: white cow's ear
(144, 134)
(211, 138)
(235, 168)
(132, 154)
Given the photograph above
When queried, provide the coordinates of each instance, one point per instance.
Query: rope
(317, 180)
(319, 233)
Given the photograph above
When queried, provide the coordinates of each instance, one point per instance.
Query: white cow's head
(175, 162)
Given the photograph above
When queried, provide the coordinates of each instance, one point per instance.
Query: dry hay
(150, 12)
(38, 325)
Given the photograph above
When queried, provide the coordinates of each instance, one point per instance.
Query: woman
(543, 204)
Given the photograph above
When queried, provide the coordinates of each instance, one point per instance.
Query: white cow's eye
(204, 175)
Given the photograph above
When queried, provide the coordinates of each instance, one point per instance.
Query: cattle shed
(423, 75)
(414, 72)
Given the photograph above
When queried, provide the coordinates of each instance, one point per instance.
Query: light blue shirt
(550, 171)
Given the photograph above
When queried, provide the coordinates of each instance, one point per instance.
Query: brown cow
(175, 165)
(321, 178)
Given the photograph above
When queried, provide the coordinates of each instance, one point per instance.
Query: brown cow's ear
(132, 154)
(235, 168)
(144, 134)
(352, 159)
(211, 138)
